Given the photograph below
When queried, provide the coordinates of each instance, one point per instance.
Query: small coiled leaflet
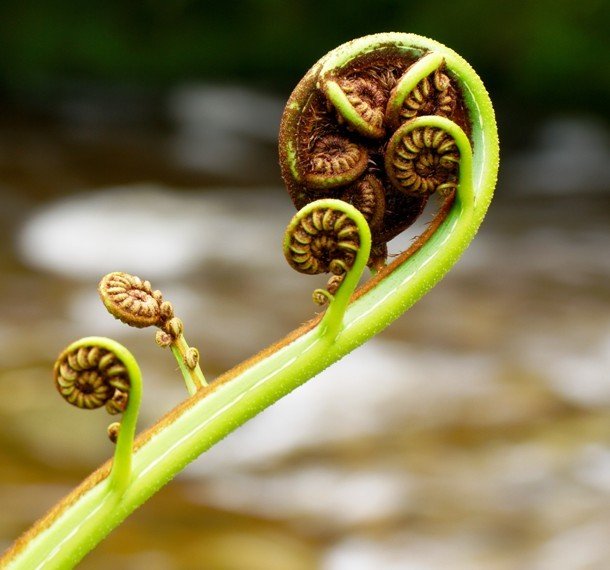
(431, 96)
(423, 89)
(91, 377)
(422, 160)
(359, 102)
(132, 300)
(329, 235)
(325, 240)
(94, 372)
(335, 161)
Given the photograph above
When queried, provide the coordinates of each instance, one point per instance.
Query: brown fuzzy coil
(367, 195)
(422, 161)
(323, 241)
(90, 377)
(334, 161)
(433, 95)
(132, 300)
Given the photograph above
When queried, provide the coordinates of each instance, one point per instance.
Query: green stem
(195, 373)
(191, 387)
(216, 411)
(62, 538)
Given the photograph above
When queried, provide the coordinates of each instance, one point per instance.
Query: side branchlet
(134, 302)
(96, 372)
(329, 236)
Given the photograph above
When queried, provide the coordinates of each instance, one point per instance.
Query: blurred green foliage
(543, 54)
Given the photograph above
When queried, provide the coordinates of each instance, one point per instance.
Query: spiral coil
(338, 137)
(90, 377)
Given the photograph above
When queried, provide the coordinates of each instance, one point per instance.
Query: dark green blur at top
(546, 53)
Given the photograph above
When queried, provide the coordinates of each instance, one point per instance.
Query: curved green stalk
(332, 320)
(466, 190)
(86, 516)
(191, 387)
(333, 317)
(121, 468)
(123, 451)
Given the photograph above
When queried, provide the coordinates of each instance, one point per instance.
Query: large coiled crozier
(343, 135)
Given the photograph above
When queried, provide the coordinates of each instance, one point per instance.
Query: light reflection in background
(471, 434)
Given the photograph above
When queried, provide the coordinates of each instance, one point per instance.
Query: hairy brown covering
(330, 145)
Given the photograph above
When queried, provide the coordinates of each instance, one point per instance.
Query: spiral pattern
(422, 160)
(433, 95)
(335, 161)
(132, 300)
(367, 100)
(90, 377)
(337, 137)
(322, 241)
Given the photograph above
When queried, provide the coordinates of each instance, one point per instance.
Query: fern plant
(375, 128)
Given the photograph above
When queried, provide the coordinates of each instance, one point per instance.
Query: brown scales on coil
(367, 195)
(385, 77)
(368, 100)
(323, 241)
(333, 161)
(423, 161)
(433, 95)
(133, 301)
(326, 157)
(338, 125)
(91, 377)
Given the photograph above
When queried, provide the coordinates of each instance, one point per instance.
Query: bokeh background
(472, 434)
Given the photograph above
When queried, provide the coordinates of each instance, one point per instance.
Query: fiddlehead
(329, 236)
(334, 161)
(356, 101)
(133, 301)
(94, 372)
(61, 538)
(422, 160)
(90, 377)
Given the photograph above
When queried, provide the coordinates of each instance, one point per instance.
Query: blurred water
(471, 434)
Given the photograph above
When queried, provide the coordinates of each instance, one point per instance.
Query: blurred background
(472, 434)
